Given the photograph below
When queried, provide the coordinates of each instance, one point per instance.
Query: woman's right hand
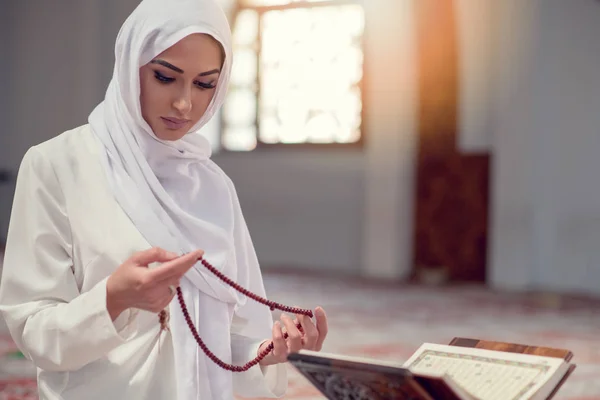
(133, 284)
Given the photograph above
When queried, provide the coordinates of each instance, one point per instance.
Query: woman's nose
(183, 103)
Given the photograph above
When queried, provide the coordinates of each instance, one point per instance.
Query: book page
(486, 374)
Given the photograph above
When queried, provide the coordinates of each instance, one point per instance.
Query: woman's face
(177, 86)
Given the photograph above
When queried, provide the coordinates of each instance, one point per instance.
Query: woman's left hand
(311, 336)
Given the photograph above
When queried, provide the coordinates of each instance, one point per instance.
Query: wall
(515, 44)
(6, 109)
(546, 137)
(476, 22)
(567, 119)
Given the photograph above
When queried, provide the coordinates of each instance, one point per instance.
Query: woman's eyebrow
(179, 70)
(167, 64)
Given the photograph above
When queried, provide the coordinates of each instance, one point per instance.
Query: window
(297, 74)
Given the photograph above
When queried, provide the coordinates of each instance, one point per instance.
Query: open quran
(466, 369)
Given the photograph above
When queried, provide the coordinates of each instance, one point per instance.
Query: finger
(279, 345)
(298, 325)
(311, 334)
(322, 327)
(175, 269)
(155, 254)
(294, 340)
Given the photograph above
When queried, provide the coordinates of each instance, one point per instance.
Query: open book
(467, 369)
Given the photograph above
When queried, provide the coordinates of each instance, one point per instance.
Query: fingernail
(171, 254)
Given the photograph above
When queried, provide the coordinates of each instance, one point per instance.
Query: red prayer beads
(271, 304)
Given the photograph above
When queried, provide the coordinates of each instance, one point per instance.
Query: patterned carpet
(389, 322)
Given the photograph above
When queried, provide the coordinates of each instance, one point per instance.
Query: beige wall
(547, 196)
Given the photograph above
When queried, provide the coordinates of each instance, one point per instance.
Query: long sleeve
(252, 322)
(52, 323)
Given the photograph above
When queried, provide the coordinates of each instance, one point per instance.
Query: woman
(103, 213)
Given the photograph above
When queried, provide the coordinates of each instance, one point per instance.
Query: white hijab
(176, 197)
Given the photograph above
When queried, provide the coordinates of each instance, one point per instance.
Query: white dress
(67, 235)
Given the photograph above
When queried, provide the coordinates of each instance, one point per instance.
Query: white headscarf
(177, 198)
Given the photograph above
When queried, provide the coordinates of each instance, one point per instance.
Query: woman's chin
(170, 135)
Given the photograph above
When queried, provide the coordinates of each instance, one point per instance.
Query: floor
(389, 322)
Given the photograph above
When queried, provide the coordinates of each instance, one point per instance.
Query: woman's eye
(161, 78)
(203, 85)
